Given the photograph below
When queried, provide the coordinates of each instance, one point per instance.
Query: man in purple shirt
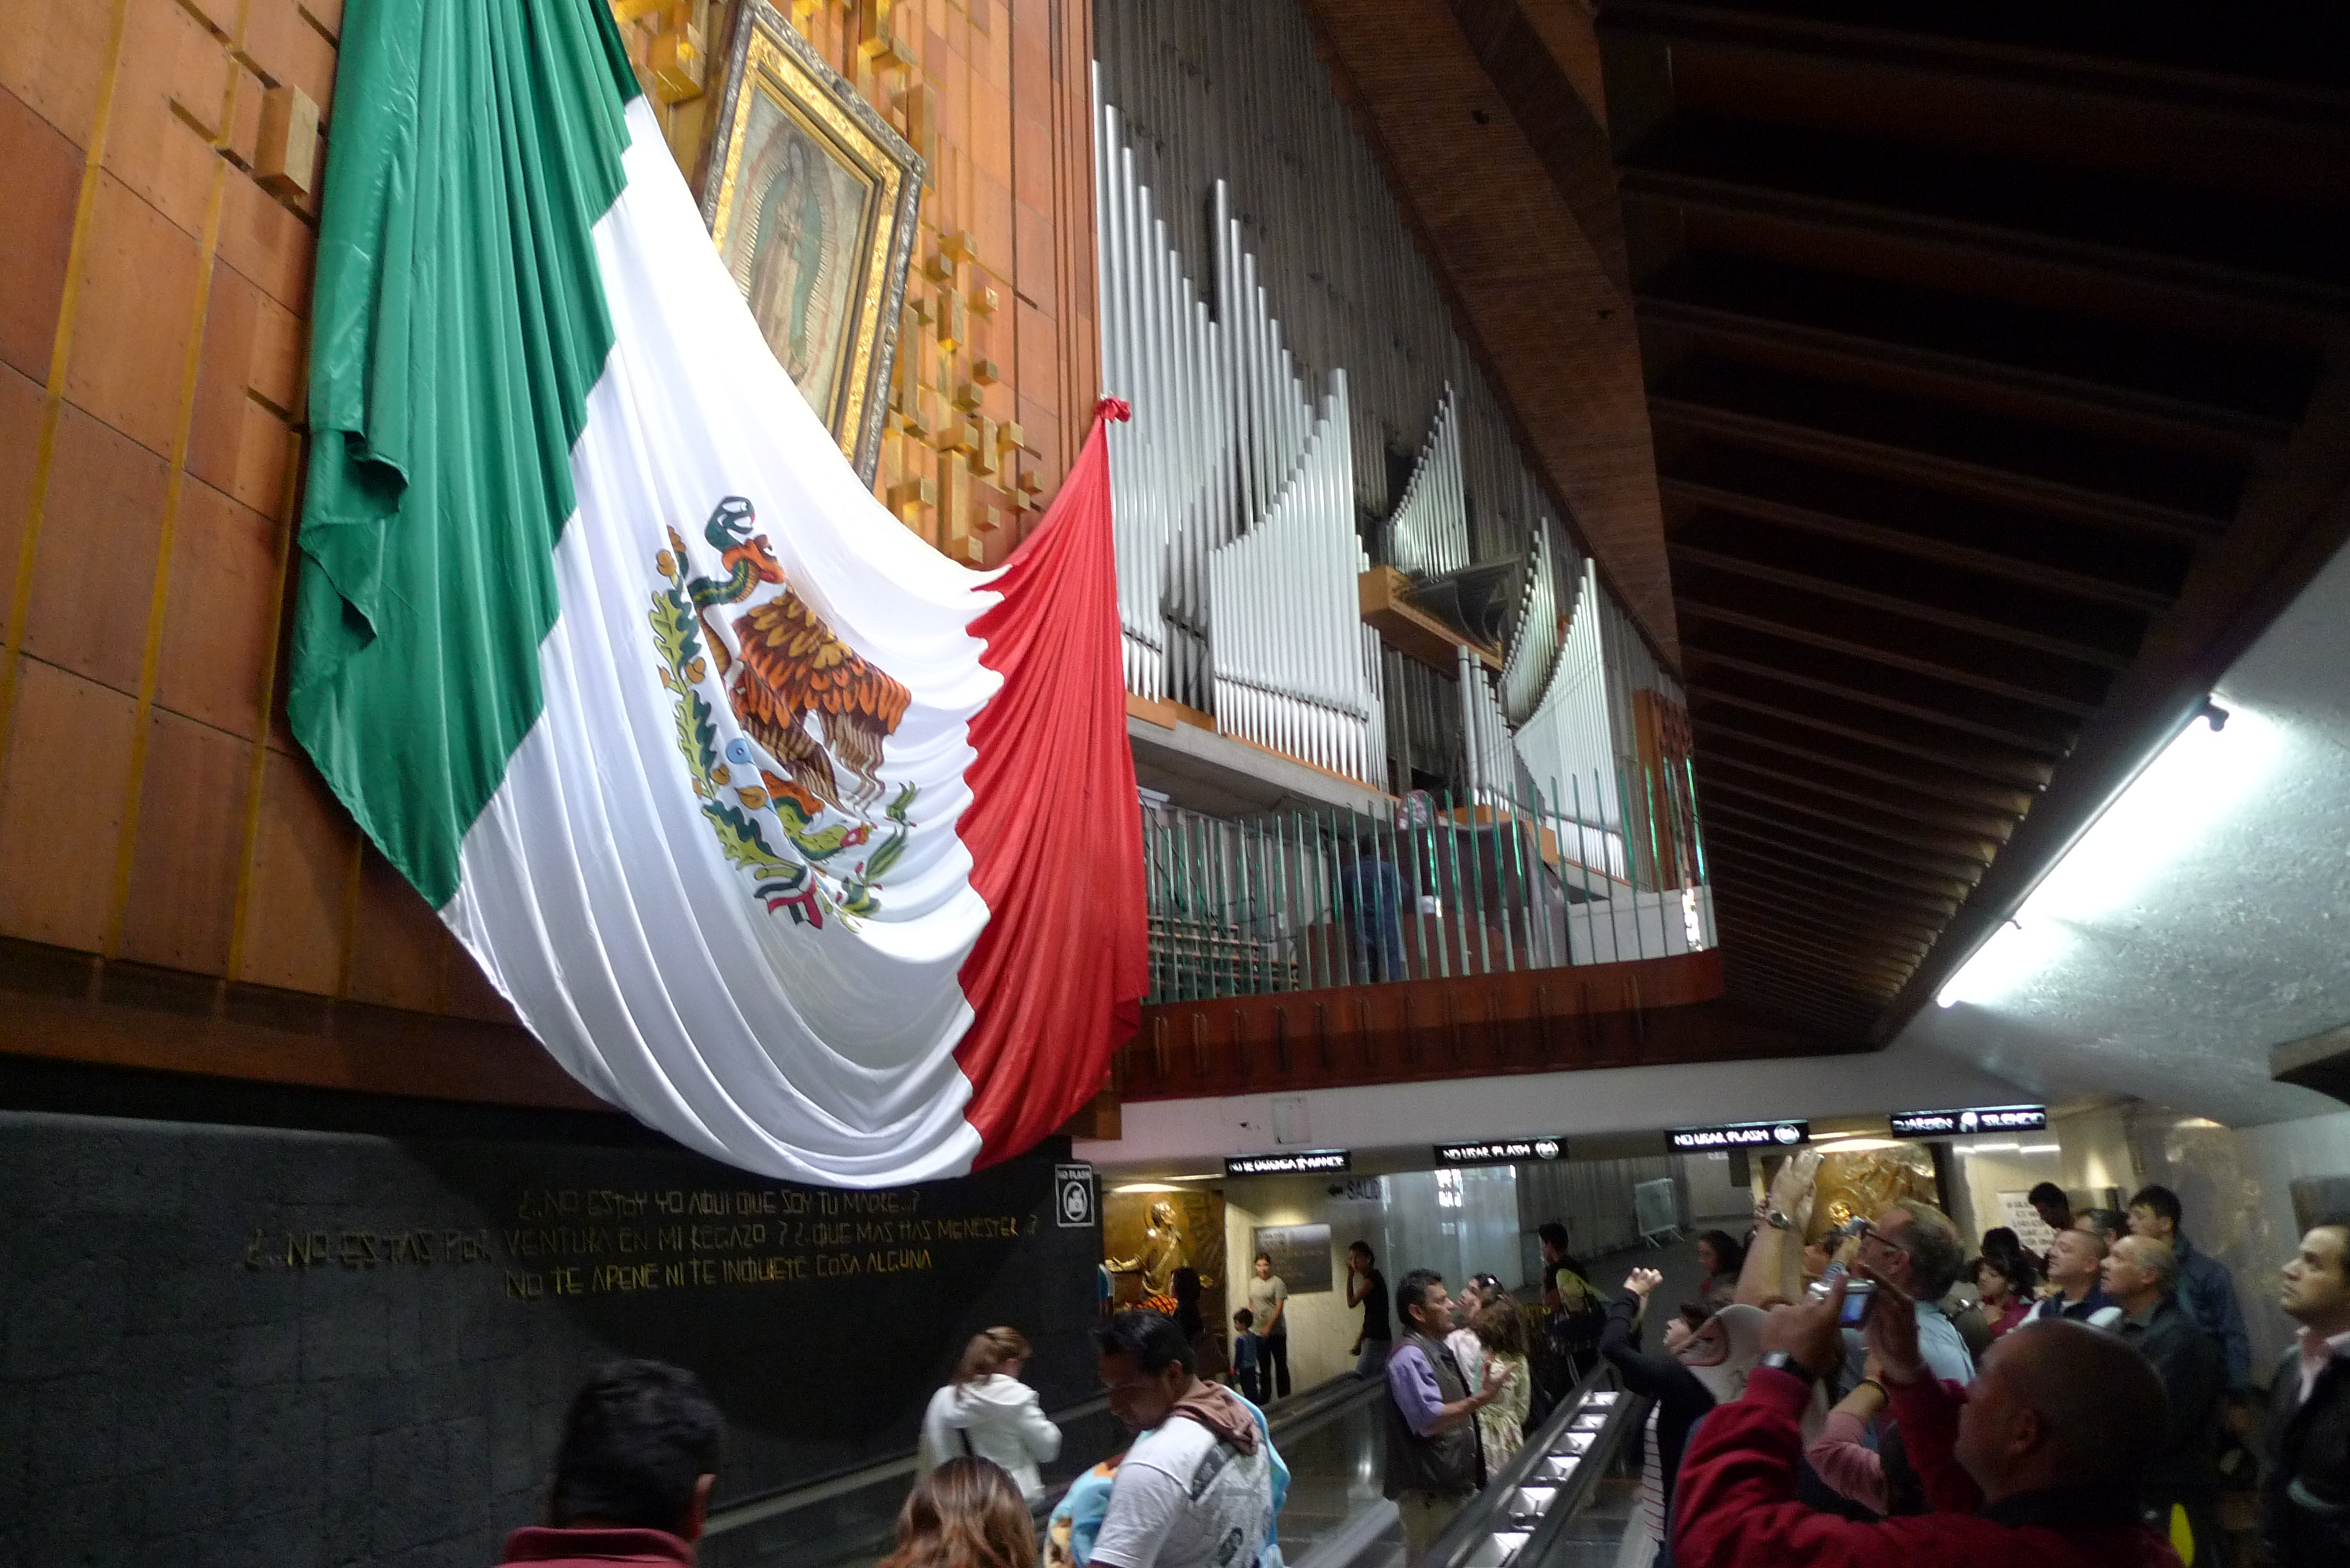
(1433, 1465)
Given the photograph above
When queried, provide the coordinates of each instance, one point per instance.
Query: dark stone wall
(304, 1344)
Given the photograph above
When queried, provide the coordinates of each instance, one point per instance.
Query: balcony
(1437, 939)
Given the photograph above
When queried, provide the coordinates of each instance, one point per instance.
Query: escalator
(1327, 1434)
(1564, 1499)
(1561, 1503)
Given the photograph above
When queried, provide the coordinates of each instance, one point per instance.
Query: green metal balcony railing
(1594, 870)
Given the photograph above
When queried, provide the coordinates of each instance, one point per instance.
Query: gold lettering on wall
(596, 1242)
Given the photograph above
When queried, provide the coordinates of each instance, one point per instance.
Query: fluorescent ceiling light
(1990, 1148)
(2196, 780)
(2041, 1148)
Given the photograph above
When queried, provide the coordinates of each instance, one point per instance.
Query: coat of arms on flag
(780, 668)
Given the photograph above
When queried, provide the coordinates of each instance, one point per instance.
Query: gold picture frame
(811, 199)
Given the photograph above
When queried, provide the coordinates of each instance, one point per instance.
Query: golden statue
(1165, 1249)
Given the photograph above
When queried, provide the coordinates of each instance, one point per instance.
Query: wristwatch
(1779, 1222)
(1782, 1361)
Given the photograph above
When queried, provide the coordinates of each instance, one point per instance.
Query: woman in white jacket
(988, 1413)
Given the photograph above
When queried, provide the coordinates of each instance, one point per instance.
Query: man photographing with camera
(2038, 1462)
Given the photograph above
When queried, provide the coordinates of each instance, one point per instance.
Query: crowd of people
(2088, 1405)
(1839, 1405)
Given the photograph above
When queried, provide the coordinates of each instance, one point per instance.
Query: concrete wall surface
(332, 1347)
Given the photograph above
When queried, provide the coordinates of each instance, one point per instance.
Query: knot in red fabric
(1114, 409)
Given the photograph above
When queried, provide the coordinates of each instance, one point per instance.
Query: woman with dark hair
(2001, 1242)
(1207, 1347)
(2004, 1285)
(1186, 1286)
(988, 1413)
(967, 1514)
(1722, 1257)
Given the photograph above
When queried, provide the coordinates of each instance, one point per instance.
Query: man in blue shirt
(2206, 1289)
(1433, 1464)
(1915, 1248)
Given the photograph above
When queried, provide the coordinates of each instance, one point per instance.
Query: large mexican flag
(807, 846)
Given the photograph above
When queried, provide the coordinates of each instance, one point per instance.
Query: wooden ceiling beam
(2067, 548)
(1903, 542)
(1848, 935)
(1741, 878)
(1828, 993)
(2128, 473)
(1783, 905)
(2070, 687)
(1862, 772)
(1878, 971)
(1938, 709)
(1956, 476)
(1811, 996)
(2100, 74)
(2001, 387)
(1828, 976)
(1808, 835)
(1727, 851)
(1793, 688)
(1690, 174)
(1770, 844)
(2109, 652)
(1866, 995)
(1720, 774)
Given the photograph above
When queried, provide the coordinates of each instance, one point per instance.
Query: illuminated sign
(1961, 1124)
(1501, 1151)
(1305, 1162)
(1741, 1135)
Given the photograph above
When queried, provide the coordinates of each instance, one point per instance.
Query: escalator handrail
(1489, 1510)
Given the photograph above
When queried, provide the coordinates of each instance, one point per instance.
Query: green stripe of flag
(457, 325)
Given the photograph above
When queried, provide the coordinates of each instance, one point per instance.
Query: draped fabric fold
(807, 846)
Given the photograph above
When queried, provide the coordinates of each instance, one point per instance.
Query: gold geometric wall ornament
(675, 60)
(285, 155)
(811, 200)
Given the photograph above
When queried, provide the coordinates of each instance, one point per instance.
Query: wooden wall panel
(154, 813)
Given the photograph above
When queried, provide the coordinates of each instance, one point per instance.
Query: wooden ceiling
(1995, 363)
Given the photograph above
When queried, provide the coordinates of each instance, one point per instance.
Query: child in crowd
(1245, 1360)
(1500, 1327)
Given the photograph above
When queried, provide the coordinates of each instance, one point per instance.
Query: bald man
(2036, 1465)
(2076, 1268)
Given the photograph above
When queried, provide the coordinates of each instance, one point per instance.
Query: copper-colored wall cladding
(159, 832)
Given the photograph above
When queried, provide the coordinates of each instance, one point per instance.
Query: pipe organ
(1282, 343)
(1491, 765)
(1429, 535)
(1569, 744)
(1537, 631)
(1232, 491)
(1296, 669)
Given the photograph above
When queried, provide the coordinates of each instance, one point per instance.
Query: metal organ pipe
(1429, 532)
(1535, 643)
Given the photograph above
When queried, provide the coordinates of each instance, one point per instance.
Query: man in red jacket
(633, 1476)
(2035, 1466)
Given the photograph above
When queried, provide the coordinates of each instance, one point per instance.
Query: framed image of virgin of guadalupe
(810, 197)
